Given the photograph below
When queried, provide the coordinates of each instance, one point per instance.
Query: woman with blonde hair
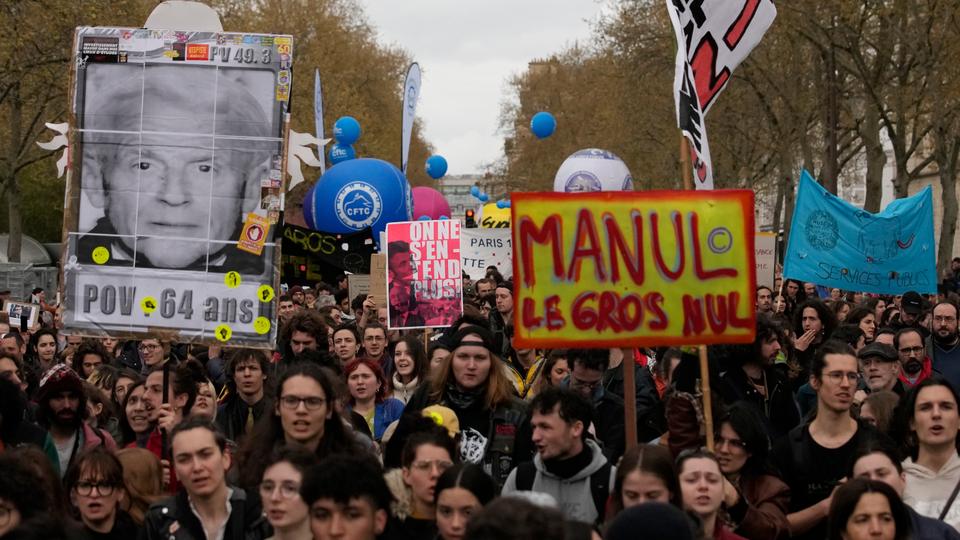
(142, 479)
(471, 383)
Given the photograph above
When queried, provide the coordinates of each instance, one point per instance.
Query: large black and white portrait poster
(177, 143)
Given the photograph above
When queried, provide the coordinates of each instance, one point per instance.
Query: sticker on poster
(273, 216)
(283, 93)
(283, 77)
(198, 51)
(254, 234)
(223, 333)
(284, 49)
(265, 293)
(100, 49)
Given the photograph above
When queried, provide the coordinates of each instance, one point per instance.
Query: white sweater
(927, 491)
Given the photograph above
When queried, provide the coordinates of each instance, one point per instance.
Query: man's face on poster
(174, 156)
(163, 192)
(401, 264)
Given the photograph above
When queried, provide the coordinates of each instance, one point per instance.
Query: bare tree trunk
(831, 154)
(15, 239)
(876, 158)
(946, 150)
(789, 199)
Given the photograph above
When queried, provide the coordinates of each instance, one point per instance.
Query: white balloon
(593, 169)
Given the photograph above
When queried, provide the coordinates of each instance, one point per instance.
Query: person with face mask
(944, 341)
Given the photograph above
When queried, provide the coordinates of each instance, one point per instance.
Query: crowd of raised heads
(839, 421)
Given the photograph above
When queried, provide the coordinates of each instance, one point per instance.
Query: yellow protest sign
(615, 269)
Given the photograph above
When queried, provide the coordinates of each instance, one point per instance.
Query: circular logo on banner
(358, 205)
(822, 231)
(582, 182)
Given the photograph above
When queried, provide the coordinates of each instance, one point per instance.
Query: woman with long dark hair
(754, 497)
(410, 367)
(461, 492)
(867, 509)
(645, 474)
(304, 413)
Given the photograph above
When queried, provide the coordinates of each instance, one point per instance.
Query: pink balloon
(429, 202)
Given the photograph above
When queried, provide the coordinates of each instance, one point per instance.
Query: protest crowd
(844, 404)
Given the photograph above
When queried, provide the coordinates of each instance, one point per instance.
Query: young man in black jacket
(205, 507)
(756, 381)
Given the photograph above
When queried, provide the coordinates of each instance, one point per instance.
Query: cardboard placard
(619, 269)
(378, 278)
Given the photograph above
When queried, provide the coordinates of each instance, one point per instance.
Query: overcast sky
(468, 50)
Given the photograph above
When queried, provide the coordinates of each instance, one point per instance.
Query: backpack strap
(526, 473)
(600, 489)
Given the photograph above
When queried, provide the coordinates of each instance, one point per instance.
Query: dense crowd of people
(839, 421)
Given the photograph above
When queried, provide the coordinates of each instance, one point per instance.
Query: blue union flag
(836, 244)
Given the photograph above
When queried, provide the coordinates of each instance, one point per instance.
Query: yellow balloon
(492, 217)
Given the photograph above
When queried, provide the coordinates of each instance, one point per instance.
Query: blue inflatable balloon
(475, 191)
(484, 197)
(357, 194)
(501, 204)
(423, 218)
(444, 218)
(346, 130)
(543, 124)
(340, 153)
(436, 167)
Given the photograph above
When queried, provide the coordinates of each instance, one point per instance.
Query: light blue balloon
(340, 152)
(543, 124)
(423, 218)
(475, 191)
(442, 218)
(484, 197)
(501, 204)
(357, 194)
(346, 130)
(436, 166)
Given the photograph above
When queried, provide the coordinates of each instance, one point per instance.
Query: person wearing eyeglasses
(813, 456)
(425, 456)
(206, 506)
(755, 498)
(95, 484)
(944, 342)
(153, 353)
(568, 465)
(915, 365)
(280, 492)
(304, 413)
(587, 367)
